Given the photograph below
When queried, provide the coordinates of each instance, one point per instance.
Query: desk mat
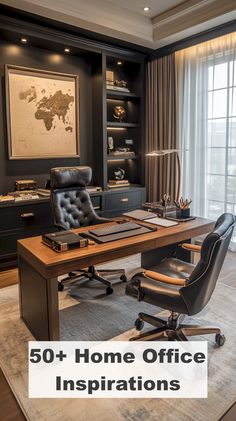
(119, 235)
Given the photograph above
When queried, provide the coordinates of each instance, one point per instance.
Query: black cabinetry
(20, 220)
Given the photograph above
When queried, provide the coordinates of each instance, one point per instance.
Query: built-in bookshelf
(124, 131)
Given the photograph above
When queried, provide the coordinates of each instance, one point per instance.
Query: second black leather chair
(72, 208)
(182, 288)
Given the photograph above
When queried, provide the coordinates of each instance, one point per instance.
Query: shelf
(121, 125)
(123, 188)
(121, 157)
(113, 94)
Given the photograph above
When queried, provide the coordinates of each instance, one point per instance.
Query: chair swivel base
(172, 329)
(91, 273)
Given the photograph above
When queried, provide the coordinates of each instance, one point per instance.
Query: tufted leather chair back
(202, 280)
(71, 203)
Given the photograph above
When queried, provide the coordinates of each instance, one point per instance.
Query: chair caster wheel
(71, 274)
(123, 278)
(139, 324)
(60, 286)
(109, 291)
(220, 339)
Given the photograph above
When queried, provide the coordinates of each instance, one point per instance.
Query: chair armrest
(102, 220)
(164, 278)
(191, 247)
(60, 227)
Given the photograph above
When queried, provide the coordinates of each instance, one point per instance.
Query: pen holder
(183, 213)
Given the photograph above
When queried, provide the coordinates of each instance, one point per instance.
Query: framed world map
(42, 113)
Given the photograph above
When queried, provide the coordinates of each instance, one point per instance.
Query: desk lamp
(162, 152)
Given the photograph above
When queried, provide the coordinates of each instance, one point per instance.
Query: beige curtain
(161, 127)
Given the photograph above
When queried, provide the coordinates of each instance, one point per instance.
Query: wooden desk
(39, 267)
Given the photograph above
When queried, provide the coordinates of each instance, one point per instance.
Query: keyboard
(114, 229)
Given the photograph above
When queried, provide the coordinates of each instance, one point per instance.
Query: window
(207, 125)
(221, 139)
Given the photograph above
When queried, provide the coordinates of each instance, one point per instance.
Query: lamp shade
(162, 152)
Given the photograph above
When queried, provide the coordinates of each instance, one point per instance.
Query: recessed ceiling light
(146, 8)
(66, 50)
(119, 62)
(24, 40)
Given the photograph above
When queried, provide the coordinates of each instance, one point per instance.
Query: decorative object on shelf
(119, 112)
(119, 181)
(42, 113)
(25, 185)
(110, 143)
(120, 83)
(163, 152)
(119, 174)
(117, 85)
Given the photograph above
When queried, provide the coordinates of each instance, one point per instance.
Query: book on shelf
(110, 76)
(43, 192)
(112, 186)
(124, 181)
(121, 153)
(6, 198)
(26, 196)
(116, 88)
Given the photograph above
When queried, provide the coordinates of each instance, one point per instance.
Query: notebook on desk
(162, 222)
(140, 214)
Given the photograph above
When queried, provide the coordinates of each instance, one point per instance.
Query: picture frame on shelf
(42, 113)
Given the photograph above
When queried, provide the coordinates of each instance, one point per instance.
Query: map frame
(55, 76)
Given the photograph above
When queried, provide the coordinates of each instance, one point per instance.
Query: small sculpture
(120, 83)
(119, 174)
(119, 112)
(110, 143)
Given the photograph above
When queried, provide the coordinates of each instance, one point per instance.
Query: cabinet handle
(27, 215)
(124, 199)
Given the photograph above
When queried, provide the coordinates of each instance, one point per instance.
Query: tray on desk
(190, 218)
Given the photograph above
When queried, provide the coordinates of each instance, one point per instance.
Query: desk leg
(38, 303)
(154, 257)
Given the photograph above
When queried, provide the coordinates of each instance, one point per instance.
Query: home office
(106, 118)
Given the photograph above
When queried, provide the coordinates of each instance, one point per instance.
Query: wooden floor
(10, 410)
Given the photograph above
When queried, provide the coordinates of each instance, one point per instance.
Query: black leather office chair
(72, 208)
(183, 288)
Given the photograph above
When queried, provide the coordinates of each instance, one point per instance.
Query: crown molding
(189, 16)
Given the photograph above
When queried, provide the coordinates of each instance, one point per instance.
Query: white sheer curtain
(206, 84)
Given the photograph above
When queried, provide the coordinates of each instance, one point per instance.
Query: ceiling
(167, 21)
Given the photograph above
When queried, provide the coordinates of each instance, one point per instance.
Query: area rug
(87, 313)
